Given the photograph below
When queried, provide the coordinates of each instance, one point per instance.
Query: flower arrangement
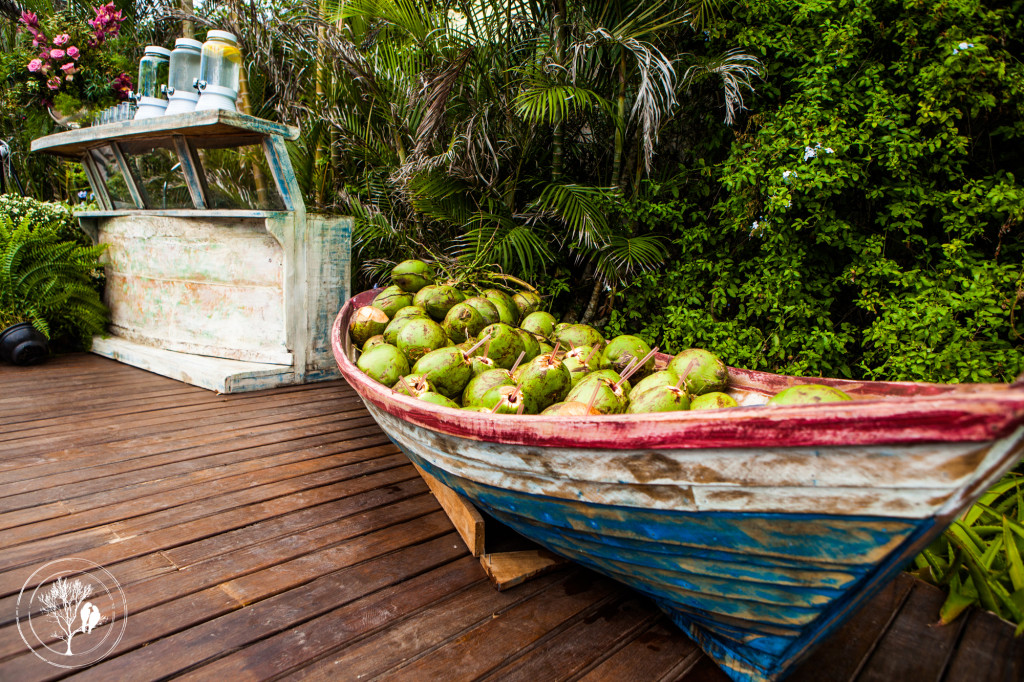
(77, 64)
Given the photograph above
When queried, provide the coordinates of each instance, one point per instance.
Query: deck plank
(914, 647)
(280, 534)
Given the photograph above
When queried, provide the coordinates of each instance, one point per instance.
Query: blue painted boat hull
(756, 630)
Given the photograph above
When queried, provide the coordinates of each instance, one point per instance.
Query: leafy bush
(49, 280)
(867, 220)
(44, 215)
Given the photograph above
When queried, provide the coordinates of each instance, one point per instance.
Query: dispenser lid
(221, 35)
(156, 49)
(187, 42)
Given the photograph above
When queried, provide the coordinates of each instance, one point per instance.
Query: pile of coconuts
(497, 352)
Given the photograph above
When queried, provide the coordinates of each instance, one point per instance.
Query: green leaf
(1013, 558)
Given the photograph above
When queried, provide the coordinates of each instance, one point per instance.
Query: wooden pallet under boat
(759, 530)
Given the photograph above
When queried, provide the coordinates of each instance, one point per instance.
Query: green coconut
(659, 399)
(391, 300)
(487, 310)
(481, 364)
(546, 347)
(508, 313)
(612, 376)
(503, 345)
(418, 337)
(600, 394)
(438, 399)
(624, 350)
(544, 381)
(506, 400)
(539, 323)
(384, 364)
(413, 385)
(530, 344)
(438, 299)
(478, 386)
(587, 356)
(526, 302)
(665, 377)
(412, 275)
(376, 340)
(448, 369)
(569, 408)
(703, 371)
(578, 335)
(366, 322)
(409, 311)
(808, 394)
(463, 322)
(715, 400)
(396, 325)
(580, 361)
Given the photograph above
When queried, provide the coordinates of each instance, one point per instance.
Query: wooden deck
(280, 534)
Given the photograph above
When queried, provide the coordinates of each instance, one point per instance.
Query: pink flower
(68, 68)
(53, 83)
(45, 54)
(57, 53)
(73, 52)
(29, 19)
(35, 65)
(122, 85)
(61, 39)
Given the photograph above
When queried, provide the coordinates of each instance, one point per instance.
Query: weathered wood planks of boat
(758, 529)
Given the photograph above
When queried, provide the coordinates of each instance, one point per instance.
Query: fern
(48, 281)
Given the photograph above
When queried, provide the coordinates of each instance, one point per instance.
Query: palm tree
(495, 132)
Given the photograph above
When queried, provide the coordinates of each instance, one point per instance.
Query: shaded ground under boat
(759, 530)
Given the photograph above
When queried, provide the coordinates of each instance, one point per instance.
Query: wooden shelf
(216, 128)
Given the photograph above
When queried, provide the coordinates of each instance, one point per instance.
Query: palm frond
(543, 101)
(735, 68)
(579, 208)
(410, 17)
(436, 100)
(655, 92)
(626, 256)
(513, 245)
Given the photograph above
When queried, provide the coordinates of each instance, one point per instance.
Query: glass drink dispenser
(218, 72)
(184, 70)
(152, 75)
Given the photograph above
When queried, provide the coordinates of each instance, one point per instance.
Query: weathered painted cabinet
(215, 273)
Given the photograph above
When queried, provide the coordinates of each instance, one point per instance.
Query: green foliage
(49, 280)
(43, 215)
(867, 221)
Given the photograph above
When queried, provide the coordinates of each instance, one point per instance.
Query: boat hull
(756, 589)
(758, 530)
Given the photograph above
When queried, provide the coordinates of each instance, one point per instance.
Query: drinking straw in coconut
(407, 385)
(518, 360)
(477, 345)
(632, 369)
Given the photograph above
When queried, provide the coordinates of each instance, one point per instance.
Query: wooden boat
(759, 530)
